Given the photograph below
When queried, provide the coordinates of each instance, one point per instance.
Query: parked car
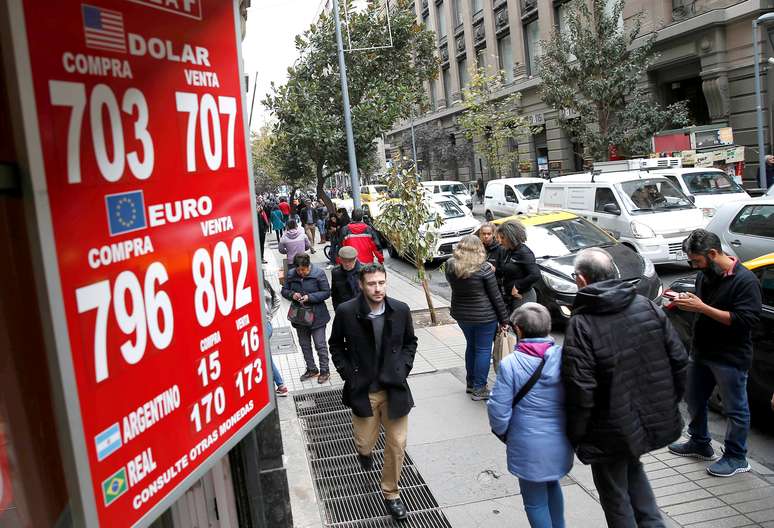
(709, 187)
(645, 212)
(458, 189)
(456, 224)
(455, 199)
(511, 196)
(556, 237)
(745, 227)
(760, 383)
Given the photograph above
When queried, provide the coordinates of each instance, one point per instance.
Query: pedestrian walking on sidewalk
(284, 206)
(322, 214)
(518, 269)
(345, 278)
(271, 304)
(373, 346)
(624, 371)
(308, 215)
(526, 411)
(727, 305)
(494, 251)
(478, 308)
(363, 238)
(263, 227)
(307, 287)
(277, 222)
(293, 242)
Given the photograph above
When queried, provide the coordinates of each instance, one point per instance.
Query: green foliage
(436, 151)
(592, 73)
(492, 123)
(408, 221)
(274, 164)
(384, 85)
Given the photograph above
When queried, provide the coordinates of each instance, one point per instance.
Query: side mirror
(692, 198)
(612, 208)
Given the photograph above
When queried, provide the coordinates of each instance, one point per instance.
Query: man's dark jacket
(624, 371)
(344, 284)
(353, 352)
(302, 214)
(315, 285)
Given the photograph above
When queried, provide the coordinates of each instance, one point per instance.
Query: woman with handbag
(307, 288)
(478, 307)
(526, 411)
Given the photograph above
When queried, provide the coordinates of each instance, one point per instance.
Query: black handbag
(301, 315)
(520, 395)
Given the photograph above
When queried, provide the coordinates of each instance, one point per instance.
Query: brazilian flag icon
(114, 486)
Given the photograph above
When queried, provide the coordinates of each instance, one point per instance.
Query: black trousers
(626, 496)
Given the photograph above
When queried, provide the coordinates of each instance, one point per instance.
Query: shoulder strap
(530, 383)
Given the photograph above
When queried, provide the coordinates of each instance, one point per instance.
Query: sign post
(137, 161)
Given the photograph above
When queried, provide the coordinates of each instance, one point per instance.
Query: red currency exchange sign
(137, 108)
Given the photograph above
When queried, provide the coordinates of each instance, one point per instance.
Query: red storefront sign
(6, 494)
(136, 142)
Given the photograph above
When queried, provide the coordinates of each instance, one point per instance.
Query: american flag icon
(103, 28)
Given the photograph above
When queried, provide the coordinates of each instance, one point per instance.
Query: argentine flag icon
(108, 442)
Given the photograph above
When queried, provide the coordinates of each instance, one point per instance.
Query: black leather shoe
(366, 461)
(396, 508)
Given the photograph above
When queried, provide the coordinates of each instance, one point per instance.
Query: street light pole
(353, 174)
(758, 102)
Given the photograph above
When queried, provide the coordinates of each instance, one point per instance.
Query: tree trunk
(321, 189)
(428, 296)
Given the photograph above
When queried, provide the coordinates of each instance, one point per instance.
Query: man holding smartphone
(727, 304)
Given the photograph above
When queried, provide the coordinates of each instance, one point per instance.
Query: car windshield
(557, 239)
(449, 209)
(649, 195)
(530, 191)
(457, 188)
(453, 198)
(714, 182)
(379, 189)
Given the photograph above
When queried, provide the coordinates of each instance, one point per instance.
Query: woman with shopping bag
(478, 308)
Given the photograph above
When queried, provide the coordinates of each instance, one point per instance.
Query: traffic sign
(136, 151)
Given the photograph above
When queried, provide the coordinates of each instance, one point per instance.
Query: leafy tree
(276, 163)
(591, 71)
(438, 149)
(493, 123)
(408, 222)
(384, 84)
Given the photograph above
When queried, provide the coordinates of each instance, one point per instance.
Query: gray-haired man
(624, 371)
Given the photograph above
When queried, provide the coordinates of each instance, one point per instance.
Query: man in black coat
(624, 371)
(345, 278)
(372, 345)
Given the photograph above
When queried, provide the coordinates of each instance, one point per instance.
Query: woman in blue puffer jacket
(538, 451)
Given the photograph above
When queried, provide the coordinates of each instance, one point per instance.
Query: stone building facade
(705, 56)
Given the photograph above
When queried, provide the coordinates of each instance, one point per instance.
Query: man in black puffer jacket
(624, 371)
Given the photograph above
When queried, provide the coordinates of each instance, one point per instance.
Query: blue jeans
(732, 384)
(276, 373)
(321, 228)
(543, 502)
(478, 352)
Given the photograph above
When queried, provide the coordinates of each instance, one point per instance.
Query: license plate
(680, 255)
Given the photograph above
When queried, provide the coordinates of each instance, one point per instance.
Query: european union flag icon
(126, 212)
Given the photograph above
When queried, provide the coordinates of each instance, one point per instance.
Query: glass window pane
(433, 102)
(441, 16)
(756, 220)
(457, 12)
(481, 58)
(476, 6)
(464, 73)
(505, 54)
(532, 38)
(447, 86)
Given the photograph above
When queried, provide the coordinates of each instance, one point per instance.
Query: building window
(562, 18)
(476, 6)
(447, 86)
(481, 58)
(505, 57)
(426, 22)
(531, 45)
(433, 101)
(464, 73)
(441, 18)
(457, 13)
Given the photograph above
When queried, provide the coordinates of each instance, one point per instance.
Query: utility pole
(353, 174)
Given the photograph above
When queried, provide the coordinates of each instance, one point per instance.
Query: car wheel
(489, 216)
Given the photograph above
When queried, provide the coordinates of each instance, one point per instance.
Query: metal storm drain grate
(351, 497)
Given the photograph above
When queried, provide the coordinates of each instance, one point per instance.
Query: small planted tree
(409, 223)
(493, 123)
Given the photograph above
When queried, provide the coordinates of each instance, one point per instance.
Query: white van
(458, 189)
(511, 196)
(644, 211)
(710, 188)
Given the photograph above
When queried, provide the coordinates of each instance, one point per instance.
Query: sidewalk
(464, 465)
